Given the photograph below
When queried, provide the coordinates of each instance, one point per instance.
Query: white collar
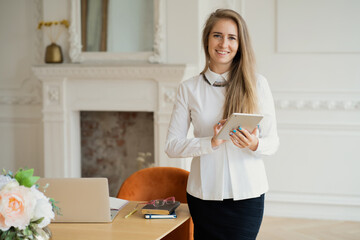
(213, 77)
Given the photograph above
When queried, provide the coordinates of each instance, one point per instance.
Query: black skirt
(227, 219)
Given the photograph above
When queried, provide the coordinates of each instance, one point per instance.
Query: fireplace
(115, 145)
(69, 89)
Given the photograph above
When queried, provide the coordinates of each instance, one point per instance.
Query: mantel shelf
(119, 71)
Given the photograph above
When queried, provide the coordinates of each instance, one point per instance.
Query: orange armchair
(158, 183)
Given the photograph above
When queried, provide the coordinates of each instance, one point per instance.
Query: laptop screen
(79, 199)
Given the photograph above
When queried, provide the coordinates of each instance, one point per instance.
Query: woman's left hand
(242, 138)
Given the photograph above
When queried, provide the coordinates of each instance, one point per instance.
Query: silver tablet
(246, 121)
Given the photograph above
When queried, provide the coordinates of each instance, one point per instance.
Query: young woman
(227, 180)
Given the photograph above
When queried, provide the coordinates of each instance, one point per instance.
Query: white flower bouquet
(24, 210)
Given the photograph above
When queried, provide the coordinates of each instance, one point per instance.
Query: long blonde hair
(241, 94)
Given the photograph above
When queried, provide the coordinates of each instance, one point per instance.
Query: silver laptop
(80, 199)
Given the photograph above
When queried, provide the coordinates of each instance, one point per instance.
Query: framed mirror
(113, 30)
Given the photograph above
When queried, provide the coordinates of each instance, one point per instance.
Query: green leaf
(10, 174)
(7, 173)
(26, 178)
(55, 208)
(37, 221)
(3, 234)
(10, 236)
(26, 232)
(29, 182)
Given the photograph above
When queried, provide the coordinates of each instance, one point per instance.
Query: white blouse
(226, 171)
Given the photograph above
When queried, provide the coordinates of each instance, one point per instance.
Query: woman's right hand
(216, 142)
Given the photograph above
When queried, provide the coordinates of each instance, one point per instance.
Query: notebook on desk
(81, 199)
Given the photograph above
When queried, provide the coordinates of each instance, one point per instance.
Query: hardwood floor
(274, 228)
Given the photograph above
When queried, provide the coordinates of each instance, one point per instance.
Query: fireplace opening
(115, 145)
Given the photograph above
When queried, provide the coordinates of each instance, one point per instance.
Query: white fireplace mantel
(71, 88)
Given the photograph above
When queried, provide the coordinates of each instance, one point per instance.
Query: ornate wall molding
(330, 105)
(324, 127)
(159, 53)
(301, 100)
(74, 32)
(169, 96)
(52, 94)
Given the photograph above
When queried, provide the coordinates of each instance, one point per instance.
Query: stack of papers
(117, 203)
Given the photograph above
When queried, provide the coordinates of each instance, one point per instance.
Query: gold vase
(53, 54)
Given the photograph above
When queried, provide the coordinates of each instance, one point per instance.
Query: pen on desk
(131, 213)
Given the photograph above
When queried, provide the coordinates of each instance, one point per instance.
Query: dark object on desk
(161, 216)
(159, 183)
(165, 209)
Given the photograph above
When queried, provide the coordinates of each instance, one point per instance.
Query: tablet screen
(246, 121)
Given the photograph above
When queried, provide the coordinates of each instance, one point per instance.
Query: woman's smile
(223, 45)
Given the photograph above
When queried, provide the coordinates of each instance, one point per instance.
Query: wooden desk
(131, 228)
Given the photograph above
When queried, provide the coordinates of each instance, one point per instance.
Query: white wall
(20, 91)
(316, 89)
(307, 52)
(182, 32)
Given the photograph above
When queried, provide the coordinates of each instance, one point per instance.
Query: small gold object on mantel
(53, 54)
(53, 29)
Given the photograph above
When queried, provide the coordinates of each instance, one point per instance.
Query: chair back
(155, 183)
(159, 183)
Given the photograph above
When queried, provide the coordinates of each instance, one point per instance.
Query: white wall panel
(20, 92)
(323, 161)
(21, 138)
(318, 26)
(317, 96)
(182, 32)
(18, 51)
